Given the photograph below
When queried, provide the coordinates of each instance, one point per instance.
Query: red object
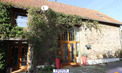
(84, 60)
(57, 63)
(60, 65)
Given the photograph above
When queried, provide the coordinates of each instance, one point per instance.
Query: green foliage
(47, 69)
(63, 20)
(6, 29)
(3, 54)
(69, 19)
(1, 61)
(42, 35)
(5, 12)
(66, 21)
(121, 52)
(44, 29)
(84, 54)
(92, 24)
(16, 32)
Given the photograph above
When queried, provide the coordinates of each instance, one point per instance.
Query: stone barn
(99, 46)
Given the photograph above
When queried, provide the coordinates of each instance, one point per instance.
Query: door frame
(24, 67)
(68, 47)
(19, 55)
(66, 39)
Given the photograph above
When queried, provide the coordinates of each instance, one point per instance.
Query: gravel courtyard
(99, 68)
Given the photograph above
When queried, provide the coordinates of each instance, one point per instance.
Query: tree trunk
(30, 60)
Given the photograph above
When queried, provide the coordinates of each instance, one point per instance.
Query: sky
(111, 8)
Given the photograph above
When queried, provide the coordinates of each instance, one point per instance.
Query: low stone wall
(91, 62)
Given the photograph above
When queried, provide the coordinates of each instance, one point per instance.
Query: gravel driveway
(99, 68)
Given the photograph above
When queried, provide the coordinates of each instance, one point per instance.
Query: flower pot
(57, 63)
(84, 60)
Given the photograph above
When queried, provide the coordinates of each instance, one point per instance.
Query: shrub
(47, 69)
(3, 55)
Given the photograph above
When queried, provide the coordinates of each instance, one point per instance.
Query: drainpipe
(121, 36)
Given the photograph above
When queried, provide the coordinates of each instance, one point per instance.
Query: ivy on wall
(42, 35)
(6, 29)
(67, 21)
(5, 21)
(44, 30)
(5, 11)
(3, 55)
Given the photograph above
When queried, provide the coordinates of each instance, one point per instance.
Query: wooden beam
(75, 52)
(19, 54)
(68, 46)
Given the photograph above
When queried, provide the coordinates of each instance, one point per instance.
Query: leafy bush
(47, 69)
(41, 36)
(16, 32)
(121, 53)
(1, 61)
(6, 29)
(3, 55)
(84, 54)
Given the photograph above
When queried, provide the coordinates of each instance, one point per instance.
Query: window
(99, 15)
(69, 41)
(72, 34)
(120, 27)
(21, 20)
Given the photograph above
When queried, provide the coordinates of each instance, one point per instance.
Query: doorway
(69, 46)
(18, 51)
(69, 53)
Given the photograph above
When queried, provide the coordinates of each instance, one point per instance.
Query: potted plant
(77, 53)
(84, 58)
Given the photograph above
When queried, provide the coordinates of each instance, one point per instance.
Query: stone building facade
(105, 44)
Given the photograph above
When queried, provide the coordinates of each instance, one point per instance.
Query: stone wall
(104, 44)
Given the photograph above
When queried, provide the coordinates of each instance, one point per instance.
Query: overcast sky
(112, 8)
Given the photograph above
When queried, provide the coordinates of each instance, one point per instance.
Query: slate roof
(67, 9)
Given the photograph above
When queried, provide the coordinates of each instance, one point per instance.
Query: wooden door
(22, 55)
(68, 44)
(19, 55)
(14, 56)
(69, 53)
